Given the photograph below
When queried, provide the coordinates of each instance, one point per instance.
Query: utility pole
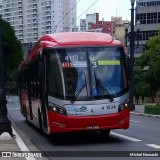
(5, 123)
(132, 38)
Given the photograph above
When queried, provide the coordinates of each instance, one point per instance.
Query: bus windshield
(86, 72)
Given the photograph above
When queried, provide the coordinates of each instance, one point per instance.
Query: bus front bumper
(60, 123)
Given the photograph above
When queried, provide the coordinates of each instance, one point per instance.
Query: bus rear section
(75, 82)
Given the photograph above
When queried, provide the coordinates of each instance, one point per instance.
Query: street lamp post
(132, 38)
(5, 123)
(136, 33)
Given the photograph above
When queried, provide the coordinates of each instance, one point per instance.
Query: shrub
(152, 109)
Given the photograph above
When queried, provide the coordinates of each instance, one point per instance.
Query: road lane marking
(135, 121)
(126, 137)
(153, 146)
(21, 144)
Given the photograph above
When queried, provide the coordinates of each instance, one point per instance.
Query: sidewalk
(139, 110)
(9, 144)
(13, 148)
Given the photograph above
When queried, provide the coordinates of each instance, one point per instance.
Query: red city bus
(75, 82)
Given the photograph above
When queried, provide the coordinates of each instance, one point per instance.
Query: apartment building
(103, 26)
(85, 24)
(118, 28)
(93, 24)
(82, 24)
(148, 13)
(33, 18)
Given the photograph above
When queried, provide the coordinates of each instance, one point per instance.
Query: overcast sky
(106, 8)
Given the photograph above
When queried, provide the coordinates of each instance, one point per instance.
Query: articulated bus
(75, 82)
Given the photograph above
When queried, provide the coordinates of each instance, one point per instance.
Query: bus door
(29, 91)
(35, 91)
(42, 81)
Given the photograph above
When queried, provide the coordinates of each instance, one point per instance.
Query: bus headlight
(58, 110)
(123, 106)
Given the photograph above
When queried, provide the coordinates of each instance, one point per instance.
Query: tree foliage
(12, 50)
(147, 69)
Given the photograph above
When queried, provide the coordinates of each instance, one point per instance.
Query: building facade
(82, 24)
(85, 24)
(118, 28)
(33, 18)
(148, 13)
(103, 26)
(93, 24)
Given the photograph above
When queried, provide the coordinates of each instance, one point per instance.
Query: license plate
(92, 127)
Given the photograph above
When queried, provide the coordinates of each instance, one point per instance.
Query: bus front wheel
(27, 121)
(40, 121)
(41, 126)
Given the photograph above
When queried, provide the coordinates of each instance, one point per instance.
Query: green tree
(148, 81)
(12, 50)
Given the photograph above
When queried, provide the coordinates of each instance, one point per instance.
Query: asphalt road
(142, 136)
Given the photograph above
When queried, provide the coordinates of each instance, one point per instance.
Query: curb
(145, 115)
(5, 137)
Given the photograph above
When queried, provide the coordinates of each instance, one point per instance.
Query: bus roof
(78, 38)
(70, 39)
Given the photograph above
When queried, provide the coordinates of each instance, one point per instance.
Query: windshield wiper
(98, 86)
(80, 90)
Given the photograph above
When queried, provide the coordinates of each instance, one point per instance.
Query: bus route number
(72, 58)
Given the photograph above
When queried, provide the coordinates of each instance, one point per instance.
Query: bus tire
(27, 121)
(26, 117)
(40, 121)
(41, 127)
(105, 132)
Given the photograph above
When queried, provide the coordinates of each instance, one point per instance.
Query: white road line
(153, 146)
(135, 121)
(126, 137)
(21, 144)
